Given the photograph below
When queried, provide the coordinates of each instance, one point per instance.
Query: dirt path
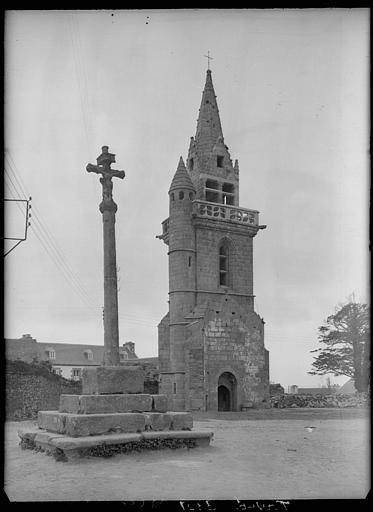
(248, 459)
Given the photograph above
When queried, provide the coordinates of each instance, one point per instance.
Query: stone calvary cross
(108, 209)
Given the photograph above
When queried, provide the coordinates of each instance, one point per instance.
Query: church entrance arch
(227, 391)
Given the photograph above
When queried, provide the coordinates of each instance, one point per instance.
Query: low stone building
(67, 359)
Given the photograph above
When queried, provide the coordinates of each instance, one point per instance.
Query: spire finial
(208, 59)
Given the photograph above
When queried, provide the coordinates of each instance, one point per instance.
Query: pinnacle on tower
(181, 178)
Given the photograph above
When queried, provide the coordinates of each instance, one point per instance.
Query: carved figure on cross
(104, 162)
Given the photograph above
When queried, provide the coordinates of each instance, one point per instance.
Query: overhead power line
(17, 188)
(46, 238)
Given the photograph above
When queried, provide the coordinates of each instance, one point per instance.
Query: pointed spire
(208, 124)
(181, 178)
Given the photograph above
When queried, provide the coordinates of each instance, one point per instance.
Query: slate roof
(72, 354)
(69, 354)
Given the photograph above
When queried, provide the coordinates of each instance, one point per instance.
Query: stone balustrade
(226, 212)
(205, 209)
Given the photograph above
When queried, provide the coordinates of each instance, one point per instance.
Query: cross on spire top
(208, 59)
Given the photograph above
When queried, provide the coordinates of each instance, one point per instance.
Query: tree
(346, 336)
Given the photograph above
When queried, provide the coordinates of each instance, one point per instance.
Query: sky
(292, 89)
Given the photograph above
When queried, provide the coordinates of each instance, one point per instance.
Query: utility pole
(108, 209)
(27, 223)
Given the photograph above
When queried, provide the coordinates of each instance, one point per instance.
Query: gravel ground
(268, 454)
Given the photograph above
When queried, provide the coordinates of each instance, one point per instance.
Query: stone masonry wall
(235, 348)
(226, 340)
(30, 389)
(240, 260)
(195, 376)
(164, 344)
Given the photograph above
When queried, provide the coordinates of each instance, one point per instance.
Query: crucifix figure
(108, 209)
(208, 59)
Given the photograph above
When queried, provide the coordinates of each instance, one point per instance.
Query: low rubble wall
(31, 387)
(286, 401)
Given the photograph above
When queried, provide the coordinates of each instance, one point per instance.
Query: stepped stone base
(74, 447)
(113, 415)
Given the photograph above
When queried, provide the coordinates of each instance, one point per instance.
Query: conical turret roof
(181, 178)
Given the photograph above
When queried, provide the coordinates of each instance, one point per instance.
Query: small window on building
(76, 373)
(189, 261)
(57, 371)
(191, 196)
(223, 265)
(52, 354)
(172, 196)
(174, 388)
(181, 195)
(219, 161)
(88, 354)
(191, 164)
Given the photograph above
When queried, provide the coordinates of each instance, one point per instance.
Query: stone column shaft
(108, 209)
(111, 329)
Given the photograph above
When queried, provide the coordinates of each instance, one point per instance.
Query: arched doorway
(227, 387)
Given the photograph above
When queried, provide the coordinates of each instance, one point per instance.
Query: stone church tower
(211, 342)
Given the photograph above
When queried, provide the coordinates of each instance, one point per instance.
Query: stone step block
(71, 443)
(99, 404)
(160, 403)
(76, 425)
(168, 421)
(53, 421)
(43, 439)
(157, 421)
(181, 420)
(112, 380)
